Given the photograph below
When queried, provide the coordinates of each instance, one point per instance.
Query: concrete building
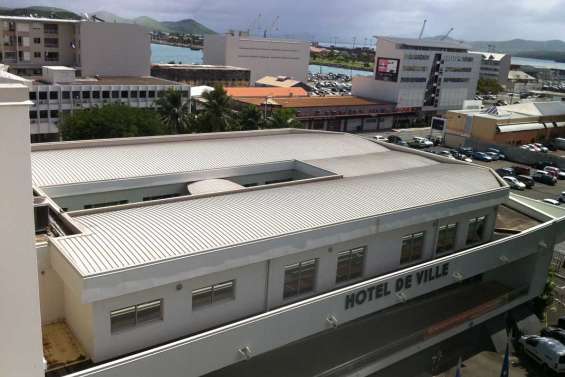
(21, 354)
(92, 48)
(517, 124)
(281, 82)
(200, 74)
(519, 82)
(332, 113)
(59, 92)
(263, 56)
(191, 254)
(425, 76)
(495, 66)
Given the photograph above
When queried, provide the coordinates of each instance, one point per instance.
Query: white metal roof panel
(133, 237)
(78, 165)
(520, 127)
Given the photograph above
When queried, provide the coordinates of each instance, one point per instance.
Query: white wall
(51, 288)
(79, 318)
(178, 317)
(112, 49)
(264, 57)
(21, 352)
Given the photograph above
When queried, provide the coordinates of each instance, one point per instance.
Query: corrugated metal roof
(77, 165)
(138, 236)
(426, 42)
(520, 127)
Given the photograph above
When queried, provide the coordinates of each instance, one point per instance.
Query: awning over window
(520, 127)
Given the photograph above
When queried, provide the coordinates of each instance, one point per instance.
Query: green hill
(188, 26)
(39, 11)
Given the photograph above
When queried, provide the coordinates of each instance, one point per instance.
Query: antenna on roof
(422, 29)
(446, 35)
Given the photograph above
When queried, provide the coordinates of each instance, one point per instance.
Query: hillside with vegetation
(39, 11)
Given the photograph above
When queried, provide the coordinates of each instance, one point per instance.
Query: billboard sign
(387, 69)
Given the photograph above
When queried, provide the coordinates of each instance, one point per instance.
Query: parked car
(542, 164)
(379, 138)
(556, 172)
(501, 155)
(503, 172)
(562, 197)
(521, 170)
(420, 142)
(393, 139)
(447, 154)
(554, 333)
(514, 183)
(541, 147)
(527, 180)
(482, 156)
(461, 157)
(552, 201)
(544, 177)
(547, 352)
(494, 156)
(467, 151)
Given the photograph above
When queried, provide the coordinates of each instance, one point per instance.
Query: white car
(379, 138)
(552, 202)
(547, 352)
(514, 183)
(423, 141)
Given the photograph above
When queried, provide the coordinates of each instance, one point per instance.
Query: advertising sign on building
(387, 69)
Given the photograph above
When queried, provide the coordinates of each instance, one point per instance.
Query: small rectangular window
(105, 204)
(212, 294)
(446, 238)
(157, 197)
(53, 95)
(476, 230)
(66, 94)
(115, 94)
(299, 278)
(85, 95)
(412, 248)
(350, 264)
(134, 315)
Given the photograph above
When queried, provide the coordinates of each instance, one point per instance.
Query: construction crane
(269, 31)
(446, 35)
(422, 29)
(255, 25)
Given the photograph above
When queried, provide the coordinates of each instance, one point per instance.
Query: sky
(326, 20)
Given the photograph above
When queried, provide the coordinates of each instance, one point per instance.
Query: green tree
(110, 121)
(174, 111)
(250, 118)
(283, 118)
(217, 114)
(489, 86)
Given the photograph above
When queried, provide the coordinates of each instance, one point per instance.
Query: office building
(517, 124)
(92, 48)
(190, 254)
(201, 74)
(332, 113)
(495, 66)
(420, 75)
(60, 92)
(263, 56)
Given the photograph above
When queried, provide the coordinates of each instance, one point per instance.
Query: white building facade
(263, 56)
(495, 66)
(422, 75)
(290, 235)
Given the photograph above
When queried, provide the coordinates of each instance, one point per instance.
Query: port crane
(446, 35)
(271, 28)
(255, 25)
(422, 30)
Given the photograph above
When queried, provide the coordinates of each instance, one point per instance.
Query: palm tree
(174, 111)
(283, 118)
(250, 118)
(217, 113)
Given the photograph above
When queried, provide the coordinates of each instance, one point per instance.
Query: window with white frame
(476, 229)
(132, 316)
(350, 264)
(412, 247)
(212, 294)
(299, 278)
(446, 237)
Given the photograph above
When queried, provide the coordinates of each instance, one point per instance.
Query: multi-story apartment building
(191, 253)
(59, 92)
(424, 75)
(263, 56)
(495, 66)
(92, 48)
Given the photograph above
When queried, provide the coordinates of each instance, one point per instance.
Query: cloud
(327, 19)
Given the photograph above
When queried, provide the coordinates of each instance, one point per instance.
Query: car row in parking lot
(546, 349)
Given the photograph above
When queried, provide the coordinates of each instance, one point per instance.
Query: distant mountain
(38, 11)
(517, 46)
(188, 26)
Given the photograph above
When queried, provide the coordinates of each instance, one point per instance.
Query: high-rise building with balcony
(92, 48)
